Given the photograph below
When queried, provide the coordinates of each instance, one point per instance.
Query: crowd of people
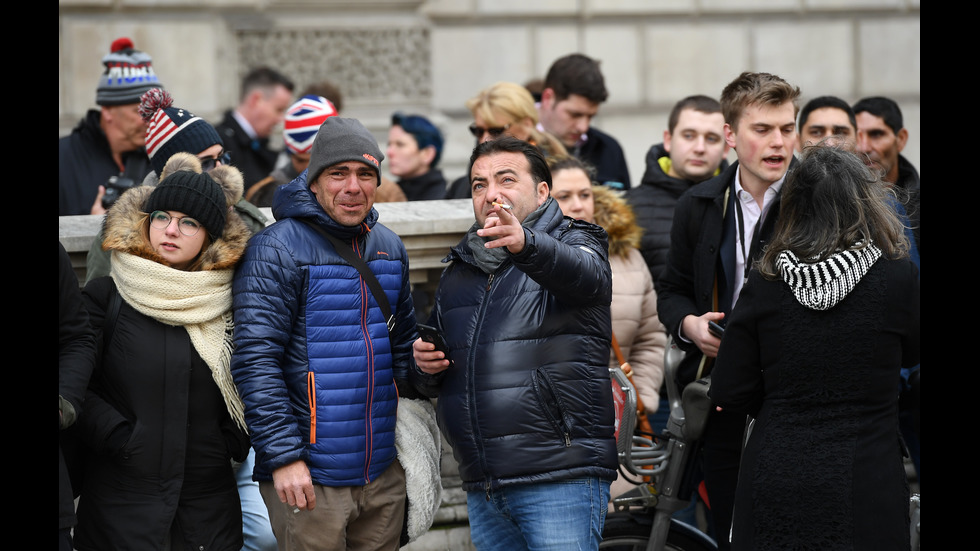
(230, 382)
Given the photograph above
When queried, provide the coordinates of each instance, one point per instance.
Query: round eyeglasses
(494, 132)
(161, 220)
(208, 163)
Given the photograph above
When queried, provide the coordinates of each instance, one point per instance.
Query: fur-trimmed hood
(125, 223)
(614, 214)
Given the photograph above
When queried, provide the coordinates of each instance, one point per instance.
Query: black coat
(76, 359)
(696, 255)
(427, 187)
(253, 157)
(823, 466)
(85, 162)
(653, 202)
(604, 153)
(161, 438)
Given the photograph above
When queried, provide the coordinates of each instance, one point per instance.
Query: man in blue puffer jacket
(316, 366)
(527, 403)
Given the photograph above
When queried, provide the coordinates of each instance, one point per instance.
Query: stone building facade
(429, 56)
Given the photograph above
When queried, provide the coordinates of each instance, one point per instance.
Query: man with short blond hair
(719, 227)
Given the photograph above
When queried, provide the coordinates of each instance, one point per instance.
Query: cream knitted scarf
(200, 302)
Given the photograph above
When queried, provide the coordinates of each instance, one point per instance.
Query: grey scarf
(490, 259)
(821, 285)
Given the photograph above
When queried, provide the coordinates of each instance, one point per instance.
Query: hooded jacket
(314, 361)
(157, 424)
(528, 398)
(654, 201)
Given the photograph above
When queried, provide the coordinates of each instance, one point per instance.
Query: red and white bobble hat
(303, 120)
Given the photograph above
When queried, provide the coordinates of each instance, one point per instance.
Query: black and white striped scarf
(821, 285)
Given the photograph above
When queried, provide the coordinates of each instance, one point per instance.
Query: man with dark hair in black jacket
(266, 94)
(573, 89)
(693, 150)
(527, 403)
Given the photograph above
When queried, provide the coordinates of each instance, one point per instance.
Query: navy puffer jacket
(528, 398)
(311, 345)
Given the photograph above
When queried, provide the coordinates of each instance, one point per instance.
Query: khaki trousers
(351, 518)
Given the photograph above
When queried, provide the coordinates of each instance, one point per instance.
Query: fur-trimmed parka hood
(125, 223)
(614, 214)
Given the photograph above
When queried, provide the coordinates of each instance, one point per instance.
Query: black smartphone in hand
(431, 334)
(716, 329)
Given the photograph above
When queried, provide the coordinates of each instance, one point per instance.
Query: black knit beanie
(195, 194)
(339, 140)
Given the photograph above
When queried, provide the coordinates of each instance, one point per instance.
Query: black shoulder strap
(348, 254)
(112, 312)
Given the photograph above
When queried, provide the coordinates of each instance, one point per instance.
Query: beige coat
(641, 336)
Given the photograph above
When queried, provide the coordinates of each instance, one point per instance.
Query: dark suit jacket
(252, 157)
(702, 244)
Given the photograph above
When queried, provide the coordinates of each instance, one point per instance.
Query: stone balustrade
(428, 229)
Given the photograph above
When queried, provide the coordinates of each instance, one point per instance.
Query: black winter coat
(604, 153)
(427, 187)
(253, 157)
(161, 438)
(823, 466)
(697, 254)
(528, 398)
(653, 201)
(76, 359)
(85, 162)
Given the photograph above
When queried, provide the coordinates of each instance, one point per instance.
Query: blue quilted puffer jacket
(528, 397)
(313, 359)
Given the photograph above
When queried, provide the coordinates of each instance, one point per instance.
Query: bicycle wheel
(627, 532)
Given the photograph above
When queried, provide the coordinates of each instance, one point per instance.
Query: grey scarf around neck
(490, 259)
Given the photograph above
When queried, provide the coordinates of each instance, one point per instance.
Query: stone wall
(430, 56)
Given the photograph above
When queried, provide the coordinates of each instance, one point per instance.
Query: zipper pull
(489, 281)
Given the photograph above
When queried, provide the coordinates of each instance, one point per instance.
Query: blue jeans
(553, 516)
(255, 517)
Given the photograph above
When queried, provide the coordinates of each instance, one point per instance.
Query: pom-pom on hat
(303, 119)
(340, 140)
(172, 130)
(128, 74)
(194, 193)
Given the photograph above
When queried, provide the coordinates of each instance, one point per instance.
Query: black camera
(115, 187)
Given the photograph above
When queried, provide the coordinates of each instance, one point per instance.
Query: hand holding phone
(716, 329)
(431, 334)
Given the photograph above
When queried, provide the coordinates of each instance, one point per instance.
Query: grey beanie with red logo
(339, 140)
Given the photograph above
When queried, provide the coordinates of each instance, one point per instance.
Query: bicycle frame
(665, 460)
